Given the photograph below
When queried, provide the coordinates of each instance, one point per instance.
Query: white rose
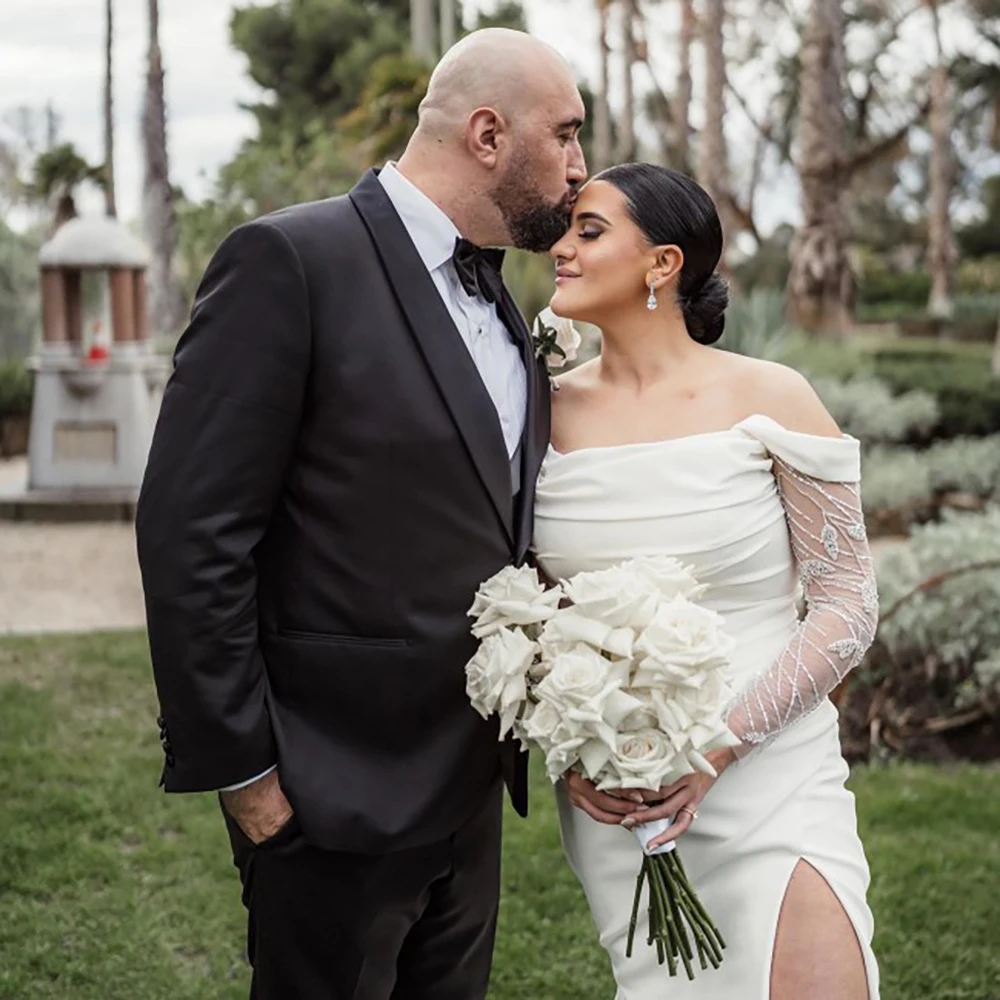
(617, 597)
(668, 576)
(496, 675)
(692, 719)
(567, 338)
(567, 629)
(682, 642)
(643, 759)
(584, 689)
(559, 742)
(514, 596)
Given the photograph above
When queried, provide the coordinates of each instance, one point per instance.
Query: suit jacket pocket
(333, 639)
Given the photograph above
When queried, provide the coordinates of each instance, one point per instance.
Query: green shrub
(16, 387)
(822, 357)
(949, 634)
(879, 284)
(865, 408)
(895, 481)
(967, 391)
(978, 305)
(755, 326)
(966, 465)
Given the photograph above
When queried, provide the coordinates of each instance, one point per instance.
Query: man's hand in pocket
(260, 809)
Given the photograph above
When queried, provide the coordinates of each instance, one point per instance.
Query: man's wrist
(249, 781)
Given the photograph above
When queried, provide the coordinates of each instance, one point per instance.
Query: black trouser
(414, 925)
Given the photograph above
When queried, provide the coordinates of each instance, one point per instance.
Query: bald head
(508, 71)
(497, 146)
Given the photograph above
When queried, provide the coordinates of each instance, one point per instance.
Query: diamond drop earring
(651, 302)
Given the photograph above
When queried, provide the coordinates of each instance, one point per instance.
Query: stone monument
(97, 383)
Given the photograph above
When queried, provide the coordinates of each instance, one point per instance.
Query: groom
(347, 448)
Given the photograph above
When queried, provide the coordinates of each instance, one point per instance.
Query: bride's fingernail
(628, 822)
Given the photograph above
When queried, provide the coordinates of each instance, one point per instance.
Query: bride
(666, 445)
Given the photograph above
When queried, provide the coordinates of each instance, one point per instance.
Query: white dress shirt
(497, 358)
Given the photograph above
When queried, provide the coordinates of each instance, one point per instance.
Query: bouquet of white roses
(619, 675)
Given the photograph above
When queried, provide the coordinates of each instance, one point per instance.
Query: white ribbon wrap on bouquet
(650, 831)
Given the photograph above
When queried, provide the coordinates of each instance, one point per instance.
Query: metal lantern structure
(97, 383)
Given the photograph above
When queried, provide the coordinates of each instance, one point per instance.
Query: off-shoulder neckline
(701, 435)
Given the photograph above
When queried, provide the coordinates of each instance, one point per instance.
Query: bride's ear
(667, 265)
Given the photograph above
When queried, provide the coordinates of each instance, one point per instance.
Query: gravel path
(65, 577)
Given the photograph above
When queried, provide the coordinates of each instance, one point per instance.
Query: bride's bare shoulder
(781, 393)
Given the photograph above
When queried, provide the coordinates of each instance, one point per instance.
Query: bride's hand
(686, 795)
(605, 807)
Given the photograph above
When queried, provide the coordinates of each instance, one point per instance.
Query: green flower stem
(673, 930)
(668, 935)
(635, 909)
(700, 916)
(672, 892)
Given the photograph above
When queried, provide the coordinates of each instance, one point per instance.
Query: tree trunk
(167, 311)
(820, 282)
(940, 241)
(682, 99)
(603, 142)
(626, 151)
(447, 14)
(996, 353)
(65, 208)
(109, 113)
(422, 32)
(713, 156)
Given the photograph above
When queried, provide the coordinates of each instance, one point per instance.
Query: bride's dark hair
(670, 208)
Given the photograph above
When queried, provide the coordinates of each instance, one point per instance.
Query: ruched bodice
(708, 499)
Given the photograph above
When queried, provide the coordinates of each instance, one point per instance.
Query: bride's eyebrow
(584, 216)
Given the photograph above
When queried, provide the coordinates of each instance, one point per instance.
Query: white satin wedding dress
(747, 507)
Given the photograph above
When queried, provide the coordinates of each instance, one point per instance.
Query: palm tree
(713, 156)
(603, 148)
(941, 244)
(58, 172)
(422, 29)
(159, 218)
(820, 281)
(682, 99)
(447, 18)
(381, 124)
(109, 116)
(626, 133)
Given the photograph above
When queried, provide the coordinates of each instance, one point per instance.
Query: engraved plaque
(78, 442)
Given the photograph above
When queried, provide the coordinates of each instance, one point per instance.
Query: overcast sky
(53, 50)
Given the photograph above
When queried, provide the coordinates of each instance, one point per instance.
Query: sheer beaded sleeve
(830, 546)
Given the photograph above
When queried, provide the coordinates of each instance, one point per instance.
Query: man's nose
(576, 171)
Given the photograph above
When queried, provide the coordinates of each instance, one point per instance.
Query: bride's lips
(564, 275)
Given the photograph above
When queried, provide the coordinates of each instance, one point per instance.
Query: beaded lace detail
(827, 533)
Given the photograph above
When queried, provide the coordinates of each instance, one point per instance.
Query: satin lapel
(536, 430)
(441, 344)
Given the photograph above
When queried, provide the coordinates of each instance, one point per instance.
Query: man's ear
(485, 133)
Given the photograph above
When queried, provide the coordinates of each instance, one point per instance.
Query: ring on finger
(693, 813)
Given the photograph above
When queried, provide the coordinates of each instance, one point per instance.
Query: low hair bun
(705, 310)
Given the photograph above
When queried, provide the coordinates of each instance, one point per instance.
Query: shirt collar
(432, 232)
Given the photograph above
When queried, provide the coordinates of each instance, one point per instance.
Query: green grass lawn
(110, 890)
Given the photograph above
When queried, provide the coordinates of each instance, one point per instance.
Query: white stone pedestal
(91, 424)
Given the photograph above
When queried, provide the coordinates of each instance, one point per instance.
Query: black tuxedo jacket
(327, 486)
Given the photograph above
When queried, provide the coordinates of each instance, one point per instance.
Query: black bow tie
(478, 269)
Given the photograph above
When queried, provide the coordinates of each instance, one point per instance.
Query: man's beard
(534, 224)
